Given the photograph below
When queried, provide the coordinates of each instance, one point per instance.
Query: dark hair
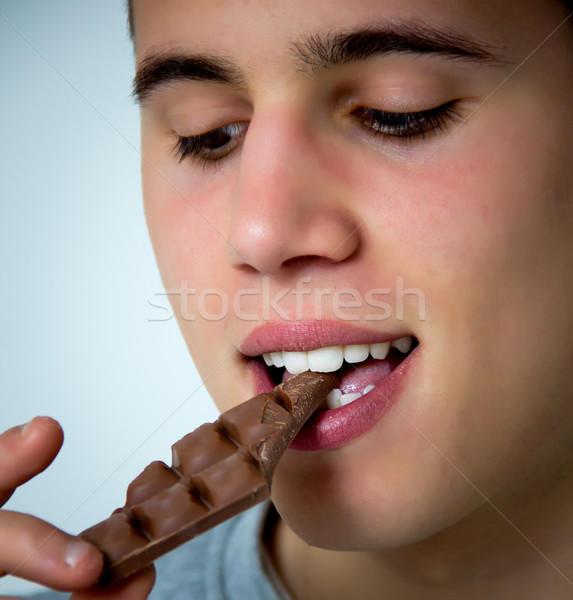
(130, 19)
(567, 4)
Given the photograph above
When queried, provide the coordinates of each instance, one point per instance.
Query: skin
(465, 486)
(36, 550)
(286, 204)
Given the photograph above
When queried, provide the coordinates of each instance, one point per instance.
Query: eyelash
(409, 125)
(208, 147)
(218, 143)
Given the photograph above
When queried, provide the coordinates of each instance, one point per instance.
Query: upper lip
(304, 336)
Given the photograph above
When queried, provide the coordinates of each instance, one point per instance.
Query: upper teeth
(326, 360)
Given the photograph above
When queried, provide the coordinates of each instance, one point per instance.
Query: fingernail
(24, 428)
(76, 551)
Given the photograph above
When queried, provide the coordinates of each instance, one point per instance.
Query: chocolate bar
(218, 470)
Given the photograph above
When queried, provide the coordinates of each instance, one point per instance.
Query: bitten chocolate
(217, 471)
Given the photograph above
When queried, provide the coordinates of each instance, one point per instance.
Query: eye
(213, 145)
(408, 125)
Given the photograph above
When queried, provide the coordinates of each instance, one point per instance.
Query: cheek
(187, 226)
(494, 253)
(478, 218)
(456, 223)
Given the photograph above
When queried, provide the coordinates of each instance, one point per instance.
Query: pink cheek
(450, 206)
(187, 232)
(438, 229)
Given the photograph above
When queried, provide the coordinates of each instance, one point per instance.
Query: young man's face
(365, 171)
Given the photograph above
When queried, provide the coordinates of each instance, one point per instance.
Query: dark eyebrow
(314, 52)
(319, 52)
(162, 68)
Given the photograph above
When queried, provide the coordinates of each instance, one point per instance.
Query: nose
(288, 204)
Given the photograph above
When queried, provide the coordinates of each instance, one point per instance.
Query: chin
(364, 498)
(365, 518)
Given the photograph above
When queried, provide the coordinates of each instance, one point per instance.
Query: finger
(26, 451)
(136, 587)
(37, 551)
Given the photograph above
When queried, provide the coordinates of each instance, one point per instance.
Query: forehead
(242, 29)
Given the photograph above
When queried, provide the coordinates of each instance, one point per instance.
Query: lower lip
(330, 429)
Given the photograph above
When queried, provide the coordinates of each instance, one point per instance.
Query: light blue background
(77, 273)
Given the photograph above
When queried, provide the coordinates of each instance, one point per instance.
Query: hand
(35, 550)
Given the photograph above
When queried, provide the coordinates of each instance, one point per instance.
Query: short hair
(131, 20)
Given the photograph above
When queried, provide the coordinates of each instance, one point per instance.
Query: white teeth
(333, 399)
(403, 344)
(277, 358)
(380, 351)
(326, 360)
(295, 362)
(336, 398)
(356, 354)
(348, 398)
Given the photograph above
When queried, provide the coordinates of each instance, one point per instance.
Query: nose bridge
(270, 177)
(286, 205)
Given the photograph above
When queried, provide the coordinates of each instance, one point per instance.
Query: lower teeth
(336, 398)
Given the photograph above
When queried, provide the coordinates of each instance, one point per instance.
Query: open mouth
(359, 367)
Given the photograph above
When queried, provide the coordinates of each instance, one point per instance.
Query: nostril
(301, 262)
